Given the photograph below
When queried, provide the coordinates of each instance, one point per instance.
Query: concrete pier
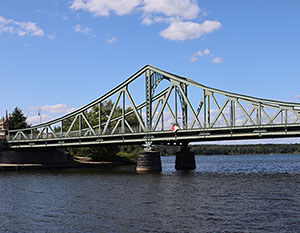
(185, 159)
(149, 161)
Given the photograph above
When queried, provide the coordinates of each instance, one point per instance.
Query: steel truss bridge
(156, 100)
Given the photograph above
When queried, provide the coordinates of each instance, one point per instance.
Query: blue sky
(60, 55)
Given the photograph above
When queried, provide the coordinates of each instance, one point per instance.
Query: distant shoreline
(245, 149)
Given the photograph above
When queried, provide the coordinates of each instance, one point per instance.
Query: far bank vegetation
(249, 149)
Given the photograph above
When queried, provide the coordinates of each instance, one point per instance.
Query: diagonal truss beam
(297, 116)
(165, 100)
(171, 113)
(135, 110)
(271, 121)
(264, 112)
(220, 111)
(190, 106)
(245, 112)
(112, 112)
(246, 120)
(54, 134)
(197, 112)
(88, 123)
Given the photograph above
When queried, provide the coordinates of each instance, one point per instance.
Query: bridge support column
(185, 159)
(148, 161)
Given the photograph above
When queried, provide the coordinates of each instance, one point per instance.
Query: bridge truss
(142, 110)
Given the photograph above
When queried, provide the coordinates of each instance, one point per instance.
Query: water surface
(257, 193)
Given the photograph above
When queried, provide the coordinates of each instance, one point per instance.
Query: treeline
(214, 149)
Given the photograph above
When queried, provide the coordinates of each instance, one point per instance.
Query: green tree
(17, 119)
(105, 153)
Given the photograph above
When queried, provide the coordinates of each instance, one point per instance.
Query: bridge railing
(72, 134)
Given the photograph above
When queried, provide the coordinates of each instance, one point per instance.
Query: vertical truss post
(99, 120)
(123, 113)
(162, 117)
(208, 110)
(31, 132)
(286, 117)
(184, 107)
(148, 100)
(61, 129)
(175, 100)
(204, 109)
(140, 125)
(80, 125)
(232, 113)
(259, 114)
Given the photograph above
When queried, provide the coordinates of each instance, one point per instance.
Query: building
(3, 126)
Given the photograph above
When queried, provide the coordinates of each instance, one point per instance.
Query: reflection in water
(258, 193)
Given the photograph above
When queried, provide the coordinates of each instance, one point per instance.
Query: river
(249, 193)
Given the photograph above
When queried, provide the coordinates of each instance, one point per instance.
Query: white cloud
(111, 40)
(84, 30)
(173, 12)
(206, 52)
(183, 9)
(189, 30)
(217, 60)
(193, 58)
(51, 37)
(147, 21)
(57, 108)
(19, 28)
(104, 7)
(35, 119)
(200, 53)
(48, 112)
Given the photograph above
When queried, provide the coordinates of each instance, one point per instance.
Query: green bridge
(171, 110)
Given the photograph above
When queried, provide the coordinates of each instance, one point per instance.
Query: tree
(17, 120)
(103, 153)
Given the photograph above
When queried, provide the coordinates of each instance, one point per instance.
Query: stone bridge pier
(185, 159)
(149, 160)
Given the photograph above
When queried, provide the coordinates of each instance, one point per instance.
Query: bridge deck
(165, 137)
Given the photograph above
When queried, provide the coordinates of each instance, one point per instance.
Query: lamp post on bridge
(40, 115)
